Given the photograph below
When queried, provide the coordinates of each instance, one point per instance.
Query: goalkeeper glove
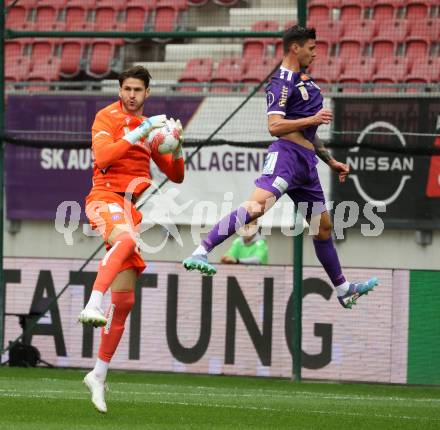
(177, 153)
(145, 128)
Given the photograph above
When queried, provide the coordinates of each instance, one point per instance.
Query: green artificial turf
(56, 399)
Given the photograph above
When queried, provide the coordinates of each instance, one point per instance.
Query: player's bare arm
(324, 154)
(279, 126)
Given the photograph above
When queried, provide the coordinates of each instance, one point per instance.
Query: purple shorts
(290, 168)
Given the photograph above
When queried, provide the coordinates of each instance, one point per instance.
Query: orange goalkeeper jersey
(118, 162)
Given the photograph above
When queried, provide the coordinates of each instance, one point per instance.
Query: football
(167, 138)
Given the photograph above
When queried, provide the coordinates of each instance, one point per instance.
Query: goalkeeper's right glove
(145, 128)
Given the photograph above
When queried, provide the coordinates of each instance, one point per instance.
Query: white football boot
(92, 316)
(97, 389)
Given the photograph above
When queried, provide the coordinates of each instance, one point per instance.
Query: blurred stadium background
(378, 65)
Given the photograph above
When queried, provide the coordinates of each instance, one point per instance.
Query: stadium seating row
(52, 59)
(366, 69)
(358, 71)
(100, 15)
(228, 71)
(379, 10)
(354, 40)
(368, 30)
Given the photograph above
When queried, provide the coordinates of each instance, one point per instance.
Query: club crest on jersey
(270, 98)
(304, 93)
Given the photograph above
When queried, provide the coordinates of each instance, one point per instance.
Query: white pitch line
(215, 405)
(229, 395)
(280, 393)
(264, 393)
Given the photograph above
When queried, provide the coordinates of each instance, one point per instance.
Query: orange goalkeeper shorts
(107, 209)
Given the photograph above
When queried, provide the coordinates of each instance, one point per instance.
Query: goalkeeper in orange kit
(121, 159)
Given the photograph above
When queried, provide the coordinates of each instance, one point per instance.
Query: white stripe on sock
(109, 318)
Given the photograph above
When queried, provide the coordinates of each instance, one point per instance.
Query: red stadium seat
(350, 50)
(383, 49)
(196, 70)
(320, 9)
(364, 4)
(418, 11)
(363, 31)
(107, 17)
(103, 55)
(72, 54)
(351, 13)
(179, 4)
(394, 30)
(43, 49)
(197, 2)
(136, 17)
(228, 71)
(329, 31)
(226, 3)
(117, 4)
(393, 71)
(88, 4)
(424, 71)
(13, 50)
(257, 47)
(359, 71)
(16, 18)
(24, 3)
(58, 4)
(326, 71)
(17, 70)
(166, 19)
(77, 18)
(45, 70)
(46, 19)
(384, 11)
(427, 30)
(416, 49)
(257, 70)
(167, 14)
(320, 12)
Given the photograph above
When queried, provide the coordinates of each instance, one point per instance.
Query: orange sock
(123, 247)
(111, 334)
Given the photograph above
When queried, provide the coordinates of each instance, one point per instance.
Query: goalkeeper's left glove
(178, 152)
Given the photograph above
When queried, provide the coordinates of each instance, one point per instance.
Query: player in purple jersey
(295, 111)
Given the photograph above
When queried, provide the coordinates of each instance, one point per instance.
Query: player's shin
(123, 247)
(328, 257)
(226, 227)
(121, 304)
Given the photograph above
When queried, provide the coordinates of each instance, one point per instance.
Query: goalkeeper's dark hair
(297, 34)
(137, 72)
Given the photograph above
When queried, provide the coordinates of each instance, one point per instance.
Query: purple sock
(226, 227)
(328, 257)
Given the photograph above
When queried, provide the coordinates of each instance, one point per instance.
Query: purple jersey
(294, 95)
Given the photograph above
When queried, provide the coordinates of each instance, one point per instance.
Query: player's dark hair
(137, 72)
(297, 34)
